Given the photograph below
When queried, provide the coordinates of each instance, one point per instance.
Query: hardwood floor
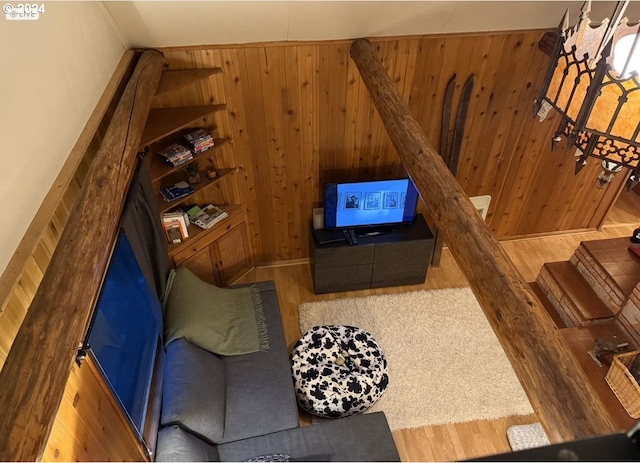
(626, 211)
(460, 441)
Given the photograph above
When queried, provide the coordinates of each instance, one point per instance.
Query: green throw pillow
(221, 320)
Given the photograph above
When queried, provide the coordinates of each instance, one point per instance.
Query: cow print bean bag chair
(338, 371)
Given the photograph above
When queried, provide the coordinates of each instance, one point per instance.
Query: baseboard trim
(283, 263)
(547, 234)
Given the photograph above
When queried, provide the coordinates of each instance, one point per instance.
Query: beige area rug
(445, 363)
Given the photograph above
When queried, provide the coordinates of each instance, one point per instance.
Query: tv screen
(370, 203)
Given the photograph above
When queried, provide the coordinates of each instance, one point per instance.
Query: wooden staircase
(591, 297)
(571, 295)
(611, 269)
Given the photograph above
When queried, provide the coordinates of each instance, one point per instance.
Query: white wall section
(184, 23)
(54, 71)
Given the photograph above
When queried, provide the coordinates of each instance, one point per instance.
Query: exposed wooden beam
(34, 376)
(553, 380)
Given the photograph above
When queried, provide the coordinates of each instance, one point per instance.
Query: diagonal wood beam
(34, 377)
(557, 387)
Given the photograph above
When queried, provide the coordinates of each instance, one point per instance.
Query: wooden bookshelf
(173, 80)
(159, 168)
(165, 121)
(223, 252)
(195, 232)
(206, 182)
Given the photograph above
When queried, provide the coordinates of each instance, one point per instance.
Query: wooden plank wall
(90, 425)
(301, 116)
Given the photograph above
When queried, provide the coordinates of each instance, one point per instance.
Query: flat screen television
(375, 203)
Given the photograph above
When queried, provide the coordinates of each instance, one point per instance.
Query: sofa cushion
(260, 397)
(194, 390)
(272, 457)
(356, 438)
(221, 320)
(174, 444)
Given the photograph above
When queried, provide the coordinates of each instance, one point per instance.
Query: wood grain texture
(173, 80)
(626, 211)
(164, 120)
(301, 116)
(89, 423)
(202, 265)
(550, 375)
(38, 366)
(232, 254)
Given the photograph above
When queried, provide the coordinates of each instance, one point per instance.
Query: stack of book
(176, 154)
(207, 216)
(177, 191)
(176, 226)
(199, 140)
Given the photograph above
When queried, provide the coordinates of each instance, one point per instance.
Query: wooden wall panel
(257, 158)
(301, 116)
(272, 72)
(234, 69)
(90, 425)
(14, 312)
(309, 159)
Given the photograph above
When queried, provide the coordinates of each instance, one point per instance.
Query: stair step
(611, 268)
(547, 305)
(573, 294)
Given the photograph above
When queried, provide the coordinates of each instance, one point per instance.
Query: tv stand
(373, 231)
(380, 258)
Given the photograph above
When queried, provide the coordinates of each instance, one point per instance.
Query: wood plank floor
(626, 211)
(452, 441)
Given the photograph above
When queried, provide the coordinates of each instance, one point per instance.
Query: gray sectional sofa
(235, 408)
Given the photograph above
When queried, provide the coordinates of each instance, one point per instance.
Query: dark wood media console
(399, 257)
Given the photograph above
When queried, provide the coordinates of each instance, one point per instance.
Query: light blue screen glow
(371, 203)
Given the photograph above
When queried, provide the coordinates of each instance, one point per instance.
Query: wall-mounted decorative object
(593, 83)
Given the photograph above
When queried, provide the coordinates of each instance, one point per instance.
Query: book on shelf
(177, 191)
(176, 154)
(207, 216)
(172, 230)
(179, 217)
(182, 161)
(200, 140)
(177, 214)
(192, 211)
